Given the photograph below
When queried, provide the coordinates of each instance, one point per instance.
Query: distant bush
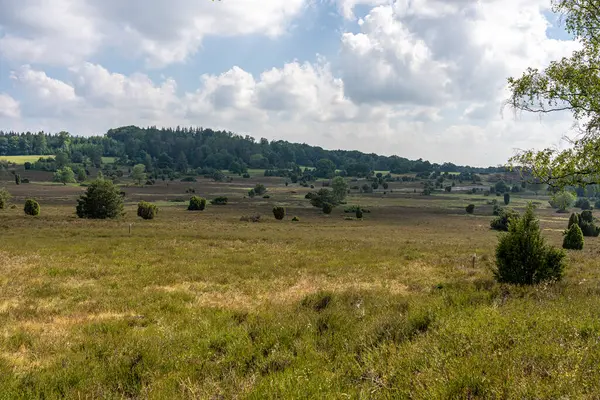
(189, 179)
(250, 218)
(190, 190)
(4, 198)
(251, 193)
(522, 257)
(279, 212)
(327, 208)
(583, 203)
(17, 179)
(496, 210)
(359, 213)
(32, 207)
(367, 188)
(587, 223)
(25, 180)
(27, 165)
(197, 203)
(150, 182)
(147, 210)
(562, 201)
(502, 221)
(470, 208)
(295, 219)
(353, 209)
(573, 239)
(506, 198)
(219, 201)
(260, 189)
(266, 196)
(246, 176)
(101, 200)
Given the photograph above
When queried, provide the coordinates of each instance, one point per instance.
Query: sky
(414, 78)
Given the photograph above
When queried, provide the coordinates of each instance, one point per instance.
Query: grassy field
(20, 160)
(199, 305)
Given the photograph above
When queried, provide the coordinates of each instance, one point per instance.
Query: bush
(188, 179)
(101, 200)
(147, 210)
(25, 180)
(260, 189)
(562, 201)
(470, 208)
(506, 198)
(251, 193)
(587, 224)
(279, 212)
(573, 219)
(583, 203)
(359, 213)
(573, 239)
(523, 258)
(266, 196)
(295, 219)
(219, 201)
(353, 209)
(197, 203)
(32, 207)
(246, 176)
(4, 198)
(17, 179)
(327, 208)
(496, 210)
(502, 222)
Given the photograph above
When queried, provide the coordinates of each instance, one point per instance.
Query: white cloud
(421, 78)
(65, 32)
(9, 107)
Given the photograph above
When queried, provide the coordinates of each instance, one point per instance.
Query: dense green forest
(182, 149)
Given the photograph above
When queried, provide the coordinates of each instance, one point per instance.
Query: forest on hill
(181, 148)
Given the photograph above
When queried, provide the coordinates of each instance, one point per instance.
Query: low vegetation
(197, 203)
(279, 212)
(101, 200)
(523, 257)
(4, 198)
(573, 239)
(31, 207)
(147, 210)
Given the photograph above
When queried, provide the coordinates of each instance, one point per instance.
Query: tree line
(185, 148)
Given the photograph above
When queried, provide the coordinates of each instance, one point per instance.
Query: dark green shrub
(359, 213)
(587, 224)
(188, 179)
(17, 179)
(197, 203)
(506, 198)
(327, 208)
(523, 258)
(260, 189)
(25, 180)
(147, 210)
(470, 208)
(295, 219)
(266, 196)
(573, 239)
(322, 197)
(190, 190)
(246, 176)
(353, 209)
(573, 220)
(219, 201)
(4, 198)
(279, 212)
(496, 210)
(501, 223)
(32, 207)
(101, 200)
(251, 193)
(583, 203)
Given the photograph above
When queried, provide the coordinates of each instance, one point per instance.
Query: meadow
(201, 305)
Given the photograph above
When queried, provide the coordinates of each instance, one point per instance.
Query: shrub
(190, 190)
(260, 189)
(295, 219)
(266, 196)
(497, 210)
(573, 239)
(251, 193)
(101, 200)
(522, 257)
(147, 210)
(32, 207)
(322, 197)
(562, 201)
(4, 198)
(219, 201)
(17, 179)
(502, 222)
(188, 179)
(359, 213)
(470, 208)
(279, 212)
(573, 219)
(25, 180)
(353, 209)
(327, 208)
(197, 203)
(583, 203)
(587, 224)
(506, 198)
(246, 176)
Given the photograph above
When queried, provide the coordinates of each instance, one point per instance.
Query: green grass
(20, 160)
(201, 305)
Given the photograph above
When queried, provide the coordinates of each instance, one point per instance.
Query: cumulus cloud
(9, 107)
(419, 78)
(65, 32)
